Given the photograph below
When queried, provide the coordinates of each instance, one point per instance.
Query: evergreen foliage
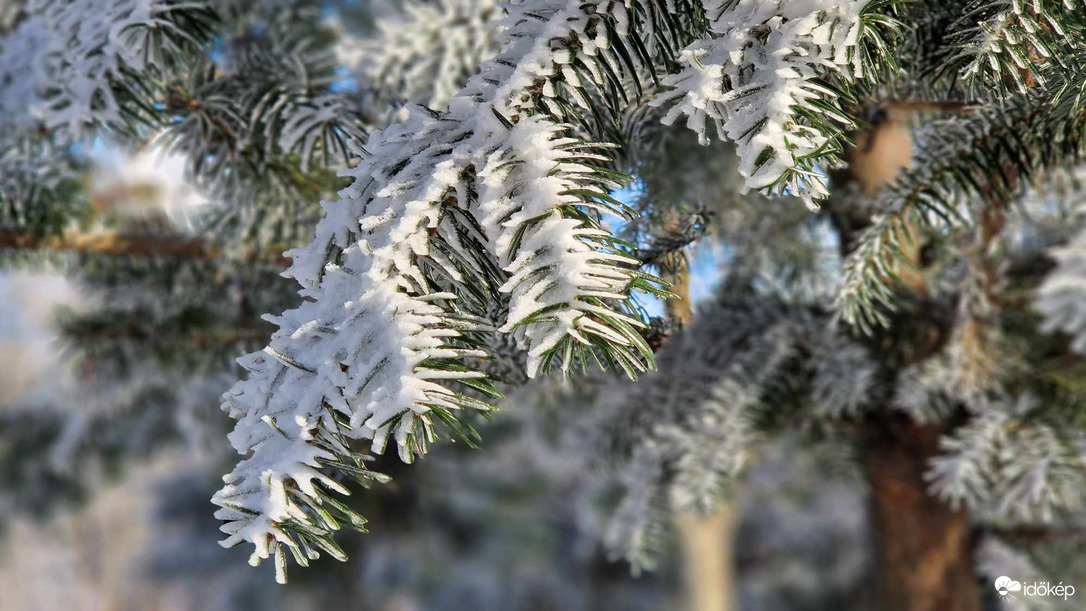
(487, 150)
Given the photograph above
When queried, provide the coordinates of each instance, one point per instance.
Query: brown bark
(876, 160)
(924, 547)
(110, 243)
(680, 310)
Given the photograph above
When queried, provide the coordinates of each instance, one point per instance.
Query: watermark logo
(1006, 587)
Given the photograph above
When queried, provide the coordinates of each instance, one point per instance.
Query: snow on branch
(425, 56)
(1061, 299)
(447, 210)
(769, 79)
(1008, 464)
(678, 439)
(67, 65)
(965, 470)
(1010, 44)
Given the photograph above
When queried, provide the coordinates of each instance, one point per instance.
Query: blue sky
(707, 261)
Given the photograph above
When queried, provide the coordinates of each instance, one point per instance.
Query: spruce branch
(496, 196)
(426, 55)
(773, 76)
(678, 440)
(1008, 46)
(71, 66)
(988, 155)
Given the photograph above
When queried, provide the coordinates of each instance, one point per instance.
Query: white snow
(58, 66)
(372, 319)
(752, 78)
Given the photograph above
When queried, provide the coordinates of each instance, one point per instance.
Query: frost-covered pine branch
(1009, 45)
(964, 474)
(678, 440)
(1007, 464)
(265, 122)
(493, 197)
(972, 157)
(845, 376)
(1062, 297)
(928, 392)
(258, 118)
(427, 54)
(71, 65)
(771, 78)
(476, 238)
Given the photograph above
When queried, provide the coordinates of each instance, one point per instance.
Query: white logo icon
(1005, 585)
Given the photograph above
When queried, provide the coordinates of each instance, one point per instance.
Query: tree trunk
(925, 555)
(924, 548)
(705, 541)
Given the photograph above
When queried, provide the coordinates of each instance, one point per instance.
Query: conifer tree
(896, 181)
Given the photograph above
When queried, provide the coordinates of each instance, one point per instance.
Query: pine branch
(678, 439)
(989, 155)
(426, 56)
(252, 117)
(112, 243)
(265, 124)
(496, 196)
(1060, 297)
(77, 65)
(1012, 46)
(772, 78)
